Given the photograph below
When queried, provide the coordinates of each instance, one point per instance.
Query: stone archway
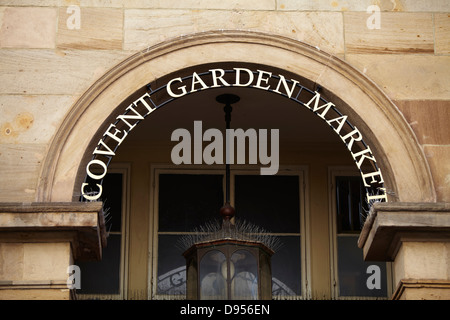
(403, 163)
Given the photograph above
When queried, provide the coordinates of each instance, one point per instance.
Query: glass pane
(112, 198)
(271, 202)
(244, 275)
(286, 268)
(171, 266)
(187, 201)
(352, 208)
(102, 277)
(355, 279)
(213, 271)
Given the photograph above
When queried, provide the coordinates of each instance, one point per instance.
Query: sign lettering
(178, 87)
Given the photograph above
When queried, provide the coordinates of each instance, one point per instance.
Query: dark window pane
(187, 201)
(171, 266)
(353, 273)
(112, 198)
(350, 204)
(271, 202)
(102, 277)
(286, 268)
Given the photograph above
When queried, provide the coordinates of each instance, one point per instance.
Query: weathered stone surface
(406, 77)
(99, 28)
(397, 33)
(144, 28)
(412, 289)
(161, 4)
(362, 5)
(428, 119)
(11, 261)
(29, 3)
(19, 170)
(46, 261)
(203, 4)
(442, 32)
(35, 261)
(28, 28)
(54, 71)
(438, 159)
(27, 293)
(322, 5)
(47, 220)
(433, 262)
(31, 118)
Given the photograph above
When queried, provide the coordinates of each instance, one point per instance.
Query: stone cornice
(388, 224)
(80, 223)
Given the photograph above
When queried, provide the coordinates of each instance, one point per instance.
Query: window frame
(158, 169)
(333, 172)
(124, 169)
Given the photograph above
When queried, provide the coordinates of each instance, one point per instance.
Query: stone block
(11, 261)
(438, 160)
(94, 3)
(90, 28)
(34, 261)
(60, 72)
(31, 3)
(322, 5)
(31, 118)
(349, 5)
(396, 33)
(28, 28)
(30, 271)
(442, 32)
(202, 4)
(144, 28)
(409, 289)
(406, 77)
(46, 261)
(34, 294)
(19, 171)
(428, 118)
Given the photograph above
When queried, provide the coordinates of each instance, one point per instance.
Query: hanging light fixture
(231, 261)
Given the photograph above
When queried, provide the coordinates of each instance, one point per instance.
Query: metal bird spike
(241, 230)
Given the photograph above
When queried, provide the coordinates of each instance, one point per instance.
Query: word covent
(96, 169)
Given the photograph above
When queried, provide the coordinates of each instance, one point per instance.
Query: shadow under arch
(394, 145)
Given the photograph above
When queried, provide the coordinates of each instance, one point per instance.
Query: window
(105, 279)
(353, 277)
(273, 203)
(187, 200)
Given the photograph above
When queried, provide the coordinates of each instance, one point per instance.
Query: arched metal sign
(175, 88)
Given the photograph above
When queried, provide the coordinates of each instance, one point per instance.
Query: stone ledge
(32, 284)
(390, 223)
(81, 224)
(436, 289)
